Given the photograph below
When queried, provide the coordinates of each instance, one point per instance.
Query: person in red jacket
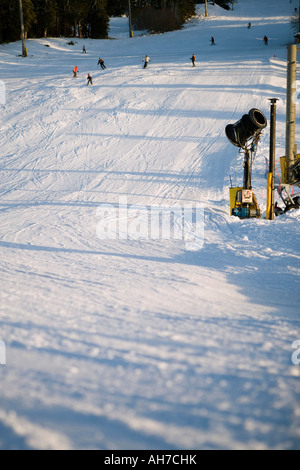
(75, 70)
(89, 80)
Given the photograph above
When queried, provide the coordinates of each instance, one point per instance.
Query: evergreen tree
(55, 18)
(10, 28)
(78, 11)
(82, 18)
(223, 3)
(46, 14)
(186, 9)
(29, 15)
(117, 7)
(162, 15)
(98, 19)
(9, 21)
(63, 21)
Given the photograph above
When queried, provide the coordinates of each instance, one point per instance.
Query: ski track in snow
(138, 343)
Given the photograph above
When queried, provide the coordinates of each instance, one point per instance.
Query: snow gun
(245, 135)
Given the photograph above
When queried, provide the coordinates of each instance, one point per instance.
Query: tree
(54, 17)
(63, 18)
(162, 15)
(78, 12)
(117, 7)
(98, 19)
(9, 21)
(223, 4)
(186, 9)
(29, 15)
(46, 16)
(10, 28)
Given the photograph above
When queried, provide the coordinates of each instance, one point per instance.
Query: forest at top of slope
(90, 18)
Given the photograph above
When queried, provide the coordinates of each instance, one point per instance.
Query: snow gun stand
(243, 203)
(245, 135)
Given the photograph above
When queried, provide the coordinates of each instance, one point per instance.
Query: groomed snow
(134, 342)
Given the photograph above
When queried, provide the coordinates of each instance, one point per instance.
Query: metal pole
(247, 170)
(271, 176)
(206, 14)
(290, 153)
(130, 22)
(24, 50)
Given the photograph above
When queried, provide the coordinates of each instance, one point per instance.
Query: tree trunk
(57, 27)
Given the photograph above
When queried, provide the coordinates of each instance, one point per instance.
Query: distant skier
(193, 59)
(266, 40)
(101, 63)
(89, 80)
(249, 25)
(146, 61)
(75, 70)
(212, 41)
(83, 50)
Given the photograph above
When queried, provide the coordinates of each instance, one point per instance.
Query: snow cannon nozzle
(248, 127)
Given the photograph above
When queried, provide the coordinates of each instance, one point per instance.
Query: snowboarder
(75, 70)
(89, 80)
(101, 63)
(266, 40)
(146, 60)
(193, 59)
(212, 41)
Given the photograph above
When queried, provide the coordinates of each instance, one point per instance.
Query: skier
(249, 25)
(83, 50)
(89, 80)
(146, 60)
(212, 41)
(75, 70)
(266, 40)
(101, 63)
(193, 59)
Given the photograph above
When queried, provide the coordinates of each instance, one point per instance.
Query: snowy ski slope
(134, 341)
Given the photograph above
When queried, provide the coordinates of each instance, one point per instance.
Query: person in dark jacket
(101, 63)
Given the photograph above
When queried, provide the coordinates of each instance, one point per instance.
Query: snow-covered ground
(129, 341)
